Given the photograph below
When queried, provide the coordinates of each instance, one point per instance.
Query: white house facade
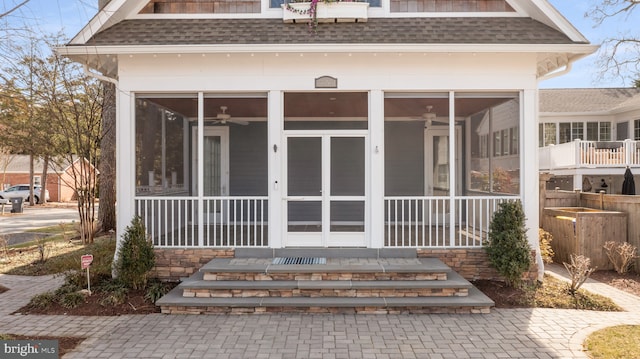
(400, 129)
(589, 137)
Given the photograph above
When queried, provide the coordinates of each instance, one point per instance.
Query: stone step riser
(343, 293)
(326, 310)
(322, 276)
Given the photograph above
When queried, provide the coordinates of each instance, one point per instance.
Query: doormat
(299, 260)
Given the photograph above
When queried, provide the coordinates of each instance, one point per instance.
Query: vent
(299, 260)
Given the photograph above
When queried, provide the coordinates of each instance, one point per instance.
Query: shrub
(508, 249)
(579, 269)
(135, 256)
(115, 290)
(545, 246)
(621, 255)
(156, 290)
(71, 300)
(42, 300)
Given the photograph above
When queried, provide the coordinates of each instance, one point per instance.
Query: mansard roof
(423, 30)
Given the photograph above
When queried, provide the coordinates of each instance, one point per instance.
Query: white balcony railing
(221, 221)
(590, 154)
(427, 222)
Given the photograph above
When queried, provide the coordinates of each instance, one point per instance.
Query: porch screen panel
(212, 166)
(496, 171)
(304, 180)
(162, 125)
(162, 177)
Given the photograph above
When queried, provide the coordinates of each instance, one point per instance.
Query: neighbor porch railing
(214, 222)
(428, 222)
(580, 154)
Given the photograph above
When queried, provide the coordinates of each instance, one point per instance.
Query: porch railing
(428, 222)
(578, 154)
(221, 221)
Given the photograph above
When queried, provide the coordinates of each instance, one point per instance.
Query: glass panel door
(304, 191)
(325, 190)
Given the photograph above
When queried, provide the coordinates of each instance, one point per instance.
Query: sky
(68, 16)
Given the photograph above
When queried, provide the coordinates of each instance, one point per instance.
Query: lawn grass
(68, 257)
(616, 342)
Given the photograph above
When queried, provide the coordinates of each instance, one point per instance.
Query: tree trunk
(43, 189)
(107, 166)
(31, 173)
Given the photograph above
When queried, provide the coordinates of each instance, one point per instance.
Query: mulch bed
(628, 282)
(134, 304)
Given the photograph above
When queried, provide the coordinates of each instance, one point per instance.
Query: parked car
(22, 190)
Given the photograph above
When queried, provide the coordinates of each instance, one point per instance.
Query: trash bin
(16, 205)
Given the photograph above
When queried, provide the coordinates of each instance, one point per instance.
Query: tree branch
(13, 9)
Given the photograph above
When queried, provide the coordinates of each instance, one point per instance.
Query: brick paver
(505, 333)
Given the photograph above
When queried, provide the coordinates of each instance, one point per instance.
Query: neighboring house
(60, 178)
(589, 137)
(403, 129)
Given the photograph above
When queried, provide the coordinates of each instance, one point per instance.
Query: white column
(125, 162)
(452, 168)
(274, 148)
(376, 149)
(200, 165)
(529, 175)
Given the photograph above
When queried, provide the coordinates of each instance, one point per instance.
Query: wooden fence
(608, 202)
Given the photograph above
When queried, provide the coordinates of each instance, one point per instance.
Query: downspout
(101, 77)
(539, 261)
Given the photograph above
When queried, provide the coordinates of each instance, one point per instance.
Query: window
(636, 130)
(577, 131)
(592, 131)
(497, 146)
(37, 180)
(277, 3)
(605, 131)
(547, 134)
(570, 131)
(484, 146)
(505, 142)
(514, 140)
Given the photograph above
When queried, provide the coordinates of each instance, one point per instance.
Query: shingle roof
(20, 164)
(449, 30)
(587, 100)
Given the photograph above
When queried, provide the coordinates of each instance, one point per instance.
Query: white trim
(275, 149)
(311, 48)
(376, 174)
(325, 237)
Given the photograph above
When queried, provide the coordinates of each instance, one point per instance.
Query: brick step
(348, 269)
(195, 286)
(475, 302)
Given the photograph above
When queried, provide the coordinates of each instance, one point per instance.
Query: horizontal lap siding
(450, 6)
(201, 7)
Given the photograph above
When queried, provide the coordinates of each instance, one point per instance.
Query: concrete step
(196, 286)
(250, 269)
(475, 302)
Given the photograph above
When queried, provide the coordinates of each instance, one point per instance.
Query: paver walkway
(505, 333)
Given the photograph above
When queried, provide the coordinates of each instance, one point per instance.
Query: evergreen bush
(135, 256)
(508, 248)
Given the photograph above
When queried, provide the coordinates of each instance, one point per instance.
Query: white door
(216, 170)
(437, 164)
(325, 190)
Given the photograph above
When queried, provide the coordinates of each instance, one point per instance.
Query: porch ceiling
(326, 105)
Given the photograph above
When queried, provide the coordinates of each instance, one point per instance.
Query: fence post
(544, 178)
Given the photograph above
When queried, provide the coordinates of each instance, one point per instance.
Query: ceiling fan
(223, 117)
(429, 117)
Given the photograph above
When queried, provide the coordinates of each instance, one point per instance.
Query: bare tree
(620, 55)
(75, 102)
(16, 7)
(107, 208)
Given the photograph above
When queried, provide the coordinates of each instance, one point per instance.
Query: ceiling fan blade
(239, 122)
